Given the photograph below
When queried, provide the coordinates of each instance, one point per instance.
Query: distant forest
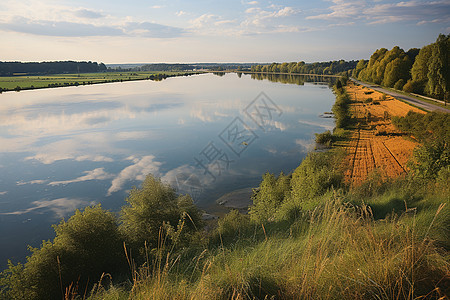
(423, 71)
(319, 68)
(196, 66)
(54, 67)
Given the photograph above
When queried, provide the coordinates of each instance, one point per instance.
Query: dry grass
(375, 143)
(343, 253)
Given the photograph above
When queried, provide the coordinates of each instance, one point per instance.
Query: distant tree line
(52, 67)
(166, 67)
(161, 67)
(423, 71)
(319, 68)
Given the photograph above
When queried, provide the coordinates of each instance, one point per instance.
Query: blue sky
(215, 31)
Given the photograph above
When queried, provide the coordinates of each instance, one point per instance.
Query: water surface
(62, 149)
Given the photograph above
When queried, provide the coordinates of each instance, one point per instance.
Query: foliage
(291, 78)
(55, 67)
(340, 252)
(429, 159)
(166, 67)
(318, 173)
(155, 206)
(231, 228)
(399, 84)
(269, 196)
(324, 138)
(85, 247)
(424, 71)
(340, 107)
(386, 67)
(426, 128)
(433, 130)
(321, 68)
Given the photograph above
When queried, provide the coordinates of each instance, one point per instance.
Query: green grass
(382, 240)
(36, 82)
(337, 252)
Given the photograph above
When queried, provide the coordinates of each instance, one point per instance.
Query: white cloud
(225, 22)
(38, 181)
(49, 158)
(420, 12)
(284, 12)
(203, 20)
(221, 114)
(134, 135)
(260, 21)
(312, 123)
(55, 155)
(201, 114)
(307, 145)
(342, 9)
(180, 13)
(44, 18)
(138, 171)
(278, 125)
(96, 174)
(277, 13)
(187, 180)
(272, 150)
(60, 207)
(95, 158)
(58, 28)
(88, 14)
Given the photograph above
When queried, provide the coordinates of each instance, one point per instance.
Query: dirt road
(425, 105)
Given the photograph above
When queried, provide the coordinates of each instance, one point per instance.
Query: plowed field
(375, 143)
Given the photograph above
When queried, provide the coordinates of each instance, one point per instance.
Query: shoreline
(72, 80)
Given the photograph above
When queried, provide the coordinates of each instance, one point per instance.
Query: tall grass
(337, 252)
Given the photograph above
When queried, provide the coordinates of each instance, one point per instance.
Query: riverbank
(19, 83)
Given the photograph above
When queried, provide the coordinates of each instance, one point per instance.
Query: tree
(359, 67)
(438, 84)
(152, 207)
(397, 69)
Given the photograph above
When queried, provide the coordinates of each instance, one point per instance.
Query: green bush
(153, 207)
(340, 108)
(325, 138)
(318, 173)
(85, 247)
(268, 197)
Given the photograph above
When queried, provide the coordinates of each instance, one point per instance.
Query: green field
(17, 83)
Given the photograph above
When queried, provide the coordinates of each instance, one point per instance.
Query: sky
(139, 31)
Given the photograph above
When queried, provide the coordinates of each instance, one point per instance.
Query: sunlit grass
(12, 83)
(342, 253)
